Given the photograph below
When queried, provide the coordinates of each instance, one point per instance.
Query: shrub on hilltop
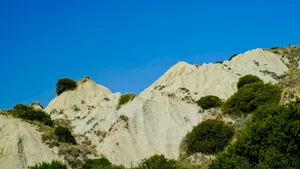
(210, 137)
(65, 84)
(209, 101)
(29, 113)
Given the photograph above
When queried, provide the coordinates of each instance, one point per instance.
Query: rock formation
(157, 120)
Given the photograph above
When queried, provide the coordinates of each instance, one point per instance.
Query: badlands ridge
(158, 118)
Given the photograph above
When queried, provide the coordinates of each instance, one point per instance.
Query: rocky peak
(36, 106)
(85, 79)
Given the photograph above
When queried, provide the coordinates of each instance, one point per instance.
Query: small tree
(52, 165)
(63, 134)
(65, 84)
(209, 137)
(158, 162)
(247, 79)
(209, 101)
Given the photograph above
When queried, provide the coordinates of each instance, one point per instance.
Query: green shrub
(29, 113)
(21, 107)
(234, 55)
(125, 99)
(271, 140)
(101, 163)
(157, 162)
(93, 163)
(52, 165)
(209, 137)
(63, 134)
(250, 97)
(65, 84)
(275, 47)
(124, 118)
(219, 62)
(247, 79)
(209, 101)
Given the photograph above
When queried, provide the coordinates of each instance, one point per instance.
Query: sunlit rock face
(156, 121)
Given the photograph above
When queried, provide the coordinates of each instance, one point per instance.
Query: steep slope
(154, 126)
(21, 145)
(216, 79)
(141, 127)
(157, 120)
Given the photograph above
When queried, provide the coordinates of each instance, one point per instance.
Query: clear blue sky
(126, 45)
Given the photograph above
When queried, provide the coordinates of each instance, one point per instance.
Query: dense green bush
(209, 101)
(247, 79)
(101, 163)
(234, 55)
(158, 162)
(21, 107)
(250, 97)
(271, 140)
(52, 165)
(125, 99)
(93, 163)
(29, 113)
(219, 62)
(63, 134)
(65, 84)
(209, 137)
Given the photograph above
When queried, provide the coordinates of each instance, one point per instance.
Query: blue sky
(126, 45)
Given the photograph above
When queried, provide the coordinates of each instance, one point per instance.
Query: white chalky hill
(157, 120)
(21, 145)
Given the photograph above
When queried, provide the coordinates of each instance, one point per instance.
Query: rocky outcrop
(36, 106)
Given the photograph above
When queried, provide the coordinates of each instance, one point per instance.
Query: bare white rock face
(157, 120)
(21, 145)
(217, 79)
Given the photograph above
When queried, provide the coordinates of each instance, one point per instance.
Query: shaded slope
(21, 145)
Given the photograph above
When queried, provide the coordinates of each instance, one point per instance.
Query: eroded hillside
(154, 122)
(21, 144)
(158, 119)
